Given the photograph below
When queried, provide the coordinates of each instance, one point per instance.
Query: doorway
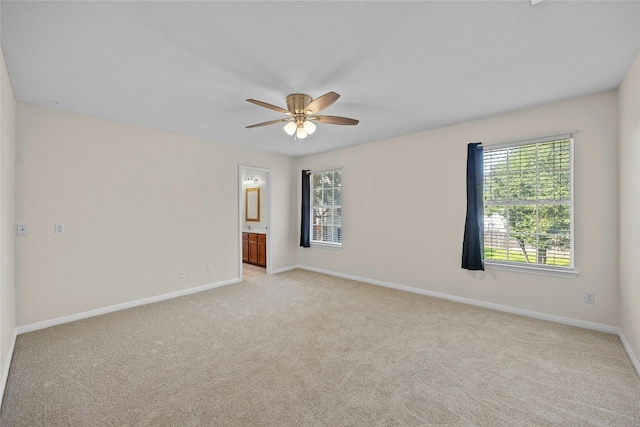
(254, 221)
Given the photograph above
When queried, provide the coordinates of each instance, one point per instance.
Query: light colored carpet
(301, 348)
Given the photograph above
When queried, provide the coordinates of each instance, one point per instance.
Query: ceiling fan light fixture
(309, 127)
(301, 133)
(290, 128)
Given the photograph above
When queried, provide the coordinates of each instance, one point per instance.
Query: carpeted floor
(301, 348)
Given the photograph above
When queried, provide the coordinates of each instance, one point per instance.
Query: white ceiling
(401, 67)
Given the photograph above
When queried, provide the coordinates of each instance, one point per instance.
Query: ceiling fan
(302, 110)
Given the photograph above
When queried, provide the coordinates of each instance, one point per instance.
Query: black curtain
(473, 243)
(306, 207)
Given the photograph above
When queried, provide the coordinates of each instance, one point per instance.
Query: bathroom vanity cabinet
(254, 248)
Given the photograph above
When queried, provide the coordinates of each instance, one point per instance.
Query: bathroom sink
(257, 230)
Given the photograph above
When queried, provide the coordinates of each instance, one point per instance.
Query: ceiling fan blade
(322, 102)
(272, 122)
(335, 120)
(269, 106)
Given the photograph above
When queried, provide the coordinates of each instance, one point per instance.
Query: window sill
(326, 245)
(569, 274)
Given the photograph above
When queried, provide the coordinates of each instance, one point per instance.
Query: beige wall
(7, 270)
(404, 210)
(629, 95)
(137, 206)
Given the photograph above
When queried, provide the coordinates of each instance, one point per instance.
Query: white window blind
(528, 213)
(326, 207)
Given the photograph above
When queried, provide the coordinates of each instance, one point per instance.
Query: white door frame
(267, 172)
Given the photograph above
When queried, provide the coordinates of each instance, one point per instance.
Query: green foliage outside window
(527, 194)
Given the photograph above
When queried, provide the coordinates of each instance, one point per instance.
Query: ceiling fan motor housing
(297, 103)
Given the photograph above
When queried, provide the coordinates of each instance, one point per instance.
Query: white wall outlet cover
(59, 228)
(589, 297)
(22, 230)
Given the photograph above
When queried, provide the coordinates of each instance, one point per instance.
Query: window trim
(535, 269)
(326, 245)
(549, 270)
(320, 243)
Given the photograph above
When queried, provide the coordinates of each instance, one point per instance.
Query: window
(326, 207)
(528, 213)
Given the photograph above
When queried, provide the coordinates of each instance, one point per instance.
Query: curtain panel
(305, 214)
(473, 242)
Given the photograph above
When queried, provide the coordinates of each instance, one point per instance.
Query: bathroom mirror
(252, 204)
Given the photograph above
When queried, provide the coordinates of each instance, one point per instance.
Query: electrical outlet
(59, 228)
(22, 230)
(589, 297)
(209, 268)
(182, 273)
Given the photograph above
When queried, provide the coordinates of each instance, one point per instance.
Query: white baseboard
(282, 270)
(630, 353)
(5, 371)
(505, 308)
(110, 309)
